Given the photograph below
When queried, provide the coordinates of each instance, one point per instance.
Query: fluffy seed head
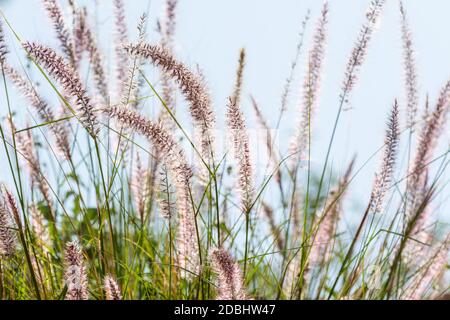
(39, 227)
(166, 205)
(429, 135)
(8, 240)
(360, 49)
(112, 289)
(384, 177)
(236, 97)
(410, 70)
(68, 79)
(417, 247)
(191, 85)
(311, 86)
(432, 269)
(320, 250)
(239, 135)
(229, 278)
(176, 162)
(75, 275)
(3, 47)
(274, 229)
(79, 31)
(139, 186)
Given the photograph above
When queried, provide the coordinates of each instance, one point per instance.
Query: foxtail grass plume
(79, 31)
(241, 145)
(290, 287)
(229, 283)
(176, 162)
(120, 37)
(44, 111)
(95, 58)
(187, 244)
(27, 89)
(311, 86)
(191, 85)
(12, 206)
(132, 82)
(112, 289)
(274, 229)
(72, 6)
(433, 269)
(236, 97)
(129, 88)
(68, 79)
(133, 194)
(75, 276)
(168, 88)
(3, 46)
(139, 186)
(384, 177)
(273, 157)
(170, 22)
(39, 227)
(166, 205)
(8, 239)
(62, 32)
(429, 135)
(361, 47)
(410, 71)
(326, 230)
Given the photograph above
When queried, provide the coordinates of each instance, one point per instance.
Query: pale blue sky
(211, 33)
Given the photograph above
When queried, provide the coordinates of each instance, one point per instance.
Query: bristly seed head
(429, 135)
(176, 162)
(384, 177)
(230, 284)
(112, 289)
(55, 13)
(238, 130)
(39, 227)
(236, 97)
(191, 85)
(8, 240)
(68, 79)
(120, 37)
